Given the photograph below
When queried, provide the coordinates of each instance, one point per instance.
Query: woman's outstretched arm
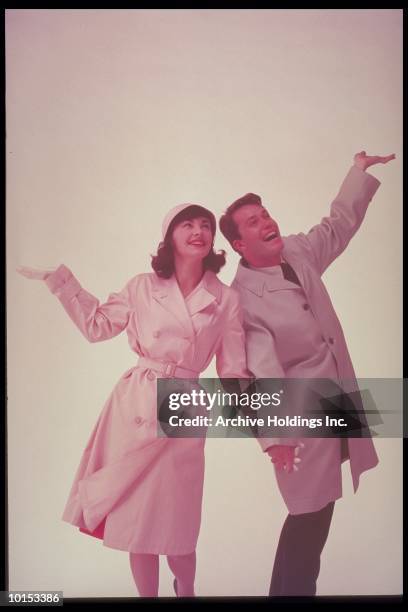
(96, 321)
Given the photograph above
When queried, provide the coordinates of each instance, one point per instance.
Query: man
(292, 331)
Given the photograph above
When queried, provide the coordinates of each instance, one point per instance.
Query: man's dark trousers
(297, 559)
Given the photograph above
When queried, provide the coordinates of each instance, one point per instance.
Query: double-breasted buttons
(306, 307)
(151, 375)
(138, 420)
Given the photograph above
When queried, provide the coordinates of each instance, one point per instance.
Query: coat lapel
(298, 268)
(277, 282)
(167, 293)
(208, 291)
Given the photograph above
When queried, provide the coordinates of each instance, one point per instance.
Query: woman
(134, 490)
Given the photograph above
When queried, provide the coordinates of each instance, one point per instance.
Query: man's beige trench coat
(293, 332)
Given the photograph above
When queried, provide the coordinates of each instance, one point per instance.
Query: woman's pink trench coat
(137, 491)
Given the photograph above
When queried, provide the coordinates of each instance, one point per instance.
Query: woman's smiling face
(192, 238)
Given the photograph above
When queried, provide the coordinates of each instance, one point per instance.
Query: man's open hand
(363, 161)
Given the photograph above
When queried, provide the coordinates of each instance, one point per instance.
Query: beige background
(113, 117)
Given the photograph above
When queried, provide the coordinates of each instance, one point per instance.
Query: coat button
(151, 375)
(306, 306)
(138, 420)
(156, 334)
(331, 340)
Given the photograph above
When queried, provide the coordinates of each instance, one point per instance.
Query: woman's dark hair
(163, 262)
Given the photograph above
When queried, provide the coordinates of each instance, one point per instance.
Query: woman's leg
(145, 570)
(183, 568)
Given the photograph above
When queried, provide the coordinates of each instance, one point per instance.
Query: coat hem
(98, 533)
(356, 479)
(310, 504)
(147, 550)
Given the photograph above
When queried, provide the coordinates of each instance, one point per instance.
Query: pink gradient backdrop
(114, 116)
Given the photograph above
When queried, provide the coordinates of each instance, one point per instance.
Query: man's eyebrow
(263, 209)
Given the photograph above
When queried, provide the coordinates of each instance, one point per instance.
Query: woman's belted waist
(166, 368)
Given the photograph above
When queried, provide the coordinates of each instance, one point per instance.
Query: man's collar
(256, 279)
(249, 278)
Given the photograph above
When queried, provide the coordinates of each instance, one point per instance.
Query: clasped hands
(285, 457)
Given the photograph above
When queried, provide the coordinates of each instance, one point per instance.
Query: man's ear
(238, 245)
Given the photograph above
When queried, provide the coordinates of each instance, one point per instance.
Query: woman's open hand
(33, 273)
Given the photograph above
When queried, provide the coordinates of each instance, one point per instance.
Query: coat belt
(166, 368)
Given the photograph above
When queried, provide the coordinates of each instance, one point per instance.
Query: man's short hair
(228, 227)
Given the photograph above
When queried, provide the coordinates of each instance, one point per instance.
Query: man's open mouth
(270, 236)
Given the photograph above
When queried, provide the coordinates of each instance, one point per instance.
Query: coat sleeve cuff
(369, 182)
(63, 283)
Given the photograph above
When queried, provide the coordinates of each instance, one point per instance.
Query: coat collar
(208, 290)
(167, 292)
(259, 280)
(209, 282)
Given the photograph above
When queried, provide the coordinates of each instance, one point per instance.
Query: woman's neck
(188, 275)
